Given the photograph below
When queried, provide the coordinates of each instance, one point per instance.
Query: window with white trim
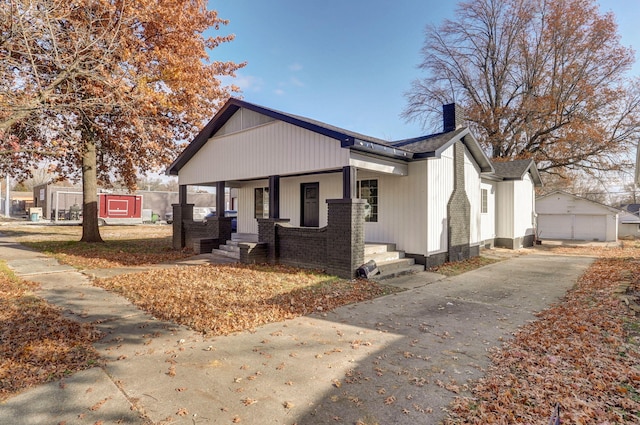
(368, 190)
(261, 197)
(484, 206)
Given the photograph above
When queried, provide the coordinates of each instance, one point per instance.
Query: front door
(310, 216)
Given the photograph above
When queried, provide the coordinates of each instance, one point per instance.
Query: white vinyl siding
(330, 188)
(275, 148)
(243, 119)
(290, 198)
(472, 187)
(440, 179)
(402, 201)
(246, 206)
(524, 207)
(505, 209)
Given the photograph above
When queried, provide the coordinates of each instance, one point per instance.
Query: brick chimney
(452, 117)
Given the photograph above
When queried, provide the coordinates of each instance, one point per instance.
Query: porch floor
(244, 237)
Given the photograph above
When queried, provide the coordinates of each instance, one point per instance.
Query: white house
(508, 204)
(628, 225)
(565, 216)
(422, 196)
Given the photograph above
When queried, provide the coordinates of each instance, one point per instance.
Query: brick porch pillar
(267, 235)
(345, 236)
(181, 213)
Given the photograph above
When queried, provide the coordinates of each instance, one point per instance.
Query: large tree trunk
(90, 230)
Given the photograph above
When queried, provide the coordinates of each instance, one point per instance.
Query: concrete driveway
(395, 360)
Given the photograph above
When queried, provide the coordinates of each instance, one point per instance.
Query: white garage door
(568, 226)
(590, 227)
(555, 226)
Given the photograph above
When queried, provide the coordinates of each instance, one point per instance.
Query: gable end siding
(275, 148)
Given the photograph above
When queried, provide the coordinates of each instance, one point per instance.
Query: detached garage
(565, 216)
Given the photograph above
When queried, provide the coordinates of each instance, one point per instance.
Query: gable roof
(516, 170)
(580, 198)
(407, 150)
(626, 217)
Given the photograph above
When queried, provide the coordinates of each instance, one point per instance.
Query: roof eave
(383, 150)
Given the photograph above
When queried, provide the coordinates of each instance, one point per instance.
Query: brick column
(459, 211)
(224, 228)
(267, 235)
(345, 236)
(181, 213)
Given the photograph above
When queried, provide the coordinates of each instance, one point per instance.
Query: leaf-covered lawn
(224, 299)
(37, 344)
(123, 246)
(583, 353)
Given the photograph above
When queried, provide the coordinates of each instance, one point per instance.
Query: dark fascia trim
(382, 150)
(230, 108)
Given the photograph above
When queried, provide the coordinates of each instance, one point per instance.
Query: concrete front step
(390, 262)
(230, 248)
(395, 268)
(378, 248)
(382, 257)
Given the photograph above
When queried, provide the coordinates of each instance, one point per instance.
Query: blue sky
(346, 62)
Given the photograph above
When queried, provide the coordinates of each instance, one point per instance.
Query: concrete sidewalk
(395, 360)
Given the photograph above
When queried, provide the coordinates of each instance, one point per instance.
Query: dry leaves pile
(230, 298)
(583, 353)
(124, 246)
(37, 344)
(459, 267)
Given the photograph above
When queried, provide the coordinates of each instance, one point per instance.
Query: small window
(368, 190)
(261, 196)
(484, 206)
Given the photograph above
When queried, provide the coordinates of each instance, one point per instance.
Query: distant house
(628, 225)
(314, 195)
(565, 216)
(56, 200)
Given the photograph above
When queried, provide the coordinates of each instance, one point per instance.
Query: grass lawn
(123, 245)
(582, 353)
(215, 300)
(37, 344)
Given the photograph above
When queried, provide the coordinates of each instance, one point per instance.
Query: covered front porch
(313, 220)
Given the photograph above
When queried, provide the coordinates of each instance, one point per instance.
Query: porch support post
(274, 196)
(181, 212)
(349, 177)
(182, 194)
(345, 236)
(220, 199)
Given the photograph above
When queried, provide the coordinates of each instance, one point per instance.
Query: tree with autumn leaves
(105, 90)
(541, 79)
